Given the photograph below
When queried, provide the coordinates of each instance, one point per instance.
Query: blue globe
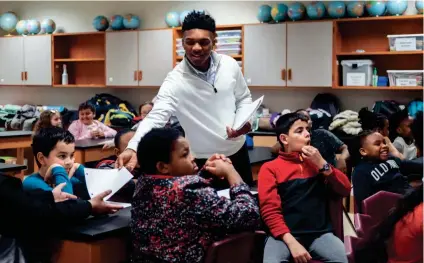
(264, 13)
(355, 8)
(21, 27)
(296, 11)
(419, 5)
(337, 9)
(117, 22)
(48, 26)
(183, 16)
(100, 23)
(376, 8)
(279, 12)
(315, 10)
(172, 19)
(131, 21)
(33, 27)
(8, 22)
(397, 7)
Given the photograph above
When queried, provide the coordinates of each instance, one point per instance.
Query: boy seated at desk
(176, 214)
(54, 149)
(294, 191)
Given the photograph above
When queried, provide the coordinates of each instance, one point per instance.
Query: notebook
(246, 113)
(100, 180)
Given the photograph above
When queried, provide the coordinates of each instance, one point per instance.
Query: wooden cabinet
(155, 58)
(265, 54)
(309, 53)
(138, 58)
(11, 60)
(25, 60)
(122, 58)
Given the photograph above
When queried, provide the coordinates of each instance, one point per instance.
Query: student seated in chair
(176, 214)
(54, 149)
(294, 191)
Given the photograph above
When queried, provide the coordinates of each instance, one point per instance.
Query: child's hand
(218, 156)
(48, 175)
(311, 154)
(100, 134)
(73, 170)
(60, 196)
(299, 253)
(98, 206)
(108, 145)
(223, 169)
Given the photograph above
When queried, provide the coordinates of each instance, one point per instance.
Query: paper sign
(226, 193)
(406, 82)
(406, 44)
(355, 79)
(246, 113)
(100, 180)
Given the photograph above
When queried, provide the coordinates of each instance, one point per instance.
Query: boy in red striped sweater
(294, 190)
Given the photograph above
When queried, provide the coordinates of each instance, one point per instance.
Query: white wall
(77, 17)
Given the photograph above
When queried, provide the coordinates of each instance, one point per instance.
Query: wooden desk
(18, 140)
(258, 156)
(263, 138)
(91, 150)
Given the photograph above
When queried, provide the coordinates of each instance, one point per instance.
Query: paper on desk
(226, 193)
(124, 205)
(100, 180)
(246, 113)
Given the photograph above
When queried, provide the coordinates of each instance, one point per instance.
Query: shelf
(233, 56)
(378, 88)
(343, 20)
(80, 86)
(381, 53)
(78, 59)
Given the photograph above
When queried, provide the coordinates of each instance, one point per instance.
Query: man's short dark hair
(117, 139)
(417, 130)
(46, 139)
(285, 122)
(87, 106)
(199, 20)
(156, 146)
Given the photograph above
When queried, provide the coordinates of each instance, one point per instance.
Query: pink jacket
(82, 131)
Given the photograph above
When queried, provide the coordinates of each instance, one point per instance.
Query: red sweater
(293, 195)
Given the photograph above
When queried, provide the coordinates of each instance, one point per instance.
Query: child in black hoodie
(376, 169)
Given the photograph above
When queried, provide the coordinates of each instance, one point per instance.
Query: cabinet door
(155, 56)
(309, 54)
(11, 60)
(121, 58)
(38, 60)
(264, 54)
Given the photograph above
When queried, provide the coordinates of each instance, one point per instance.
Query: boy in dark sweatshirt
(294, 191)
(377, 170)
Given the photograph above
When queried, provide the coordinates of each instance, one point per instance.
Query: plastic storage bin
(179, 41)
(228, 33)
(180, 53)
(228, 45)
(229, 51)
(180, 47)
(406, 42)
(357, 72)
(405, 78)
(226, 40)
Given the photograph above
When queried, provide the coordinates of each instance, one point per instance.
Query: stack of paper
(246, 113)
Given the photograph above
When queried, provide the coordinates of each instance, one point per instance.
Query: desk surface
(91, 143)
(4, 167)
(7, 134)
(260, 155)
(261, 133)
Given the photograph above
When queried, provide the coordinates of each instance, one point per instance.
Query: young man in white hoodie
(205, 92)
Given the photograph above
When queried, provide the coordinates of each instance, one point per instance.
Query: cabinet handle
(26, 75)
(135, 75)
(140, 75)
(290, 74)
(283, 74)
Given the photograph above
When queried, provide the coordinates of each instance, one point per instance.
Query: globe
(315, 10)
(296, 11)
(279, 12)
(21, 27)
(183, 16)
(355, 8)
(48, 26)
(376, 8)
(8, 22)
(100, 23)
(131, 21)
(419, 5)
(337, 9)
(264, 13)
(33, 27)
(396, 7)
(117, 22)
(172, 19)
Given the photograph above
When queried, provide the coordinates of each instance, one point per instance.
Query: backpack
(105, 102)
(414, 107)
(387, 107)
(328, 102)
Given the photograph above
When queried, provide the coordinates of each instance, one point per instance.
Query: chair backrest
(246, 247)
(378, 205)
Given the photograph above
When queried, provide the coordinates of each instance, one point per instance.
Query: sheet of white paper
(245, 114)
(124, 205)
(100, 180)
(226, 193)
